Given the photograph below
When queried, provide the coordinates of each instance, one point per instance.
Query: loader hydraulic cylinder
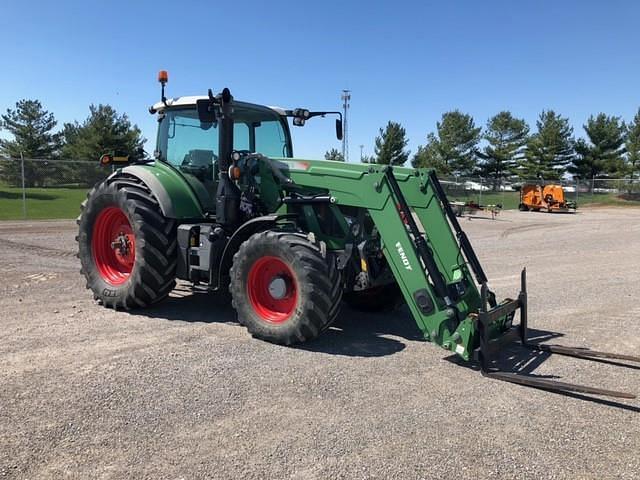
(465, 244)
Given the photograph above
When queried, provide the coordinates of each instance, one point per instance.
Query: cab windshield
(185, 141)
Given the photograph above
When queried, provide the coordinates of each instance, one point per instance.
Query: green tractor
(225, 205)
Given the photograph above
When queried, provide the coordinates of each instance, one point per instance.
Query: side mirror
(206, 111)
(339, 129)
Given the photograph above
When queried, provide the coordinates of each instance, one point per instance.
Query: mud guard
(174, 194)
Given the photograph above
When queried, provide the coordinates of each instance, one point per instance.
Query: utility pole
(24, 192)
(361, 156)
(346, 97)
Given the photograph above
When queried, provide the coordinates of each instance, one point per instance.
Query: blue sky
(404, 61)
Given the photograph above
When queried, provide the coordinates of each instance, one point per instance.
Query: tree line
(507, 148)
(32, 128)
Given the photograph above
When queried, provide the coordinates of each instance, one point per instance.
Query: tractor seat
(199, 158)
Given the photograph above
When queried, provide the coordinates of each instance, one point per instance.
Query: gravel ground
(182, 391)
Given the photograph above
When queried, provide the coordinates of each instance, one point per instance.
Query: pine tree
(390, 145)
(103, 131)
(550, 150)
(454, 148)
(506, 136)
(334, 155)
(430, 156)
(33, 138)
(602, 154)
(632, 160)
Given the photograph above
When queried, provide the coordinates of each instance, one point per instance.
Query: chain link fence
(46, 189)
(484, 191)
(49, 189)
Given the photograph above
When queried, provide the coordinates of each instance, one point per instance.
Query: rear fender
(175, 196)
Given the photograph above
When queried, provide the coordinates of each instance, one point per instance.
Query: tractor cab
(199, 136)
(191, 145)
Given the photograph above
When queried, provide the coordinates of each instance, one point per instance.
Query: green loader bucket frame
(432, 260)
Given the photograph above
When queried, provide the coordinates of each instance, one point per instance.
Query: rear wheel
(284, 288)
(127, 248)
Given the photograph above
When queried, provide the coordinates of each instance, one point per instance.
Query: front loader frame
(433, 276)
(432, 267)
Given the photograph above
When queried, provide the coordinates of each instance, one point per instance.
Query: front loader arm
(426, 277)
(431, 257)
(435, 281)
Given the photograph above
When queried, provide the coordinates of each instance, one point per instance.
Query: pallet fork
(488, 347)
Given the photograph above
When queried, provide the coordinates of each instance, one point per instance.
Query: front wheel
(284, 288)
(127, 248)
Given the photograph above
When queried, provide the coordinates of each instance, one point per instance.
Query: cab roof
(191, 100)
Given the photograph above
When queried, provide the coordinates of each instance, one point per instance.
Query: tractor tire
(383, 298)
(127, 248)
(523, 208)
(284, 288)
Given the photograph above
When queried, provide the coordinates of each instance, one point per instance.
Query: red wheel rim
(113, 245)
(272, 289)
